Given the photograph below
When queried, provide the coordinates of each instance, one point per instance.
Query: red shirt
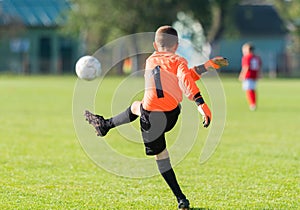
(254, 63)
(164, 89)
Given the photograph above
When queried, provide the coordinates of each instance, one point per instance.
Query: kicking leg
(136, 108)
(102, 125)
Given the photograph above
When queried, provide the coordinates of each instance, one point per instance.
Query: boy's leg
(124, 117)
(167, 172)
(155, 144)
(136, 108)
(249, 87)
(102, 125)
(251, 96)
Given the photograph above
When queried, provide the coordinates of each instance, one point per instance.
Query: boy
(166, 77)
(251, 67)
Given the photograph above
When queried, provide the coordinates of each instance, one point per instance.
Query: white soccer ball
(88, 67)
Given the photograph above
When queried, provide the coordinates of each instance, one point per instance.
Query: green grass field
(43, 166)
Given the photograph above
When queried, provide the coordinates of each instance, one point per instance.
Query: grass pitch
(256, 165)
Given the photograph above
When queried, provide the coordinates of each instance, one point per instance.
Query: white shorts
(249, 84)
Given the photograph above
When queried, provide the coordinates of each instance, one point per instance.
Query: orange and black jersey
(167, 77)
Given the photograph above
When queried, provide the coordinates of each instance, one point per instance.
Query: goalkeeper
(167, 77)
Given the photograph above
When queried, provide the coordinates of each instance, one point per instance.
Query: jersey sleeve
(245, 62)
(194, 74)
(187, 81)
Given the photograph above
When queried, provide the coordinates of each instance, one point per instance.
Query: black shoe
(183, 204)
(98, 122)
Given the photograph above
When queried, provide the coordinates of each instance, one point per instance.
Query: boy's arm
(210, 65)
(190, 89)
(245, 67)
(243, 73)
(203, 109)
(195, 72)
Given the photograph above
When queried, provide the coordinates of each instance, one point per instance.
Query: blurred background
(47, 37)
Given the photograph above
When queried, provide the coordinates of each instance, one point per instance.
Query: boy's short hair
(249, 45)
(166, 36)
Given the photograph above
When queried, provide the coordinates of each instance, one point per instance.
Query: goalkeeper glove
(206, 114)
(203, 109)
(212, 64)
(216, 63)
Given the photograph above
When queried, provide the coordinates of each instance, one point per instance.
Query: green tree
(289, 10)
(99, 21)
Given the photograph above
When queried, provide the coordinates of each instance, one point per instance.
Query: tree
(289, 10)
(101, 21)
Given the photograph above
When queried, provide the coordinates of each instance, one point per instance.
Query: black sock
(122, 118)
(165, 169)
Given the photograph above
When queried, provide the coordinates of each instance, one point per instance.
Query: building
(261, 25)
(30, 39)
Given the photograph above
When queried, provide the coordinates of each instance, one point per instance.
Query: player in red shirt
(251, 67)
(167, 78)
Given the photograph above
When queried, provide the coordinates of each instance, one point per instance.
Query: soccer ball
(88, 67)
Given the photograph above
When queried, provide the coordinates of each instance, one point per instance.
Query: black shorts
(154, 125)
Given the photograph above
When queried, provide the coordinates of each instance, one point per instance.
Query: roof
(33, 12)
(259, 20)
